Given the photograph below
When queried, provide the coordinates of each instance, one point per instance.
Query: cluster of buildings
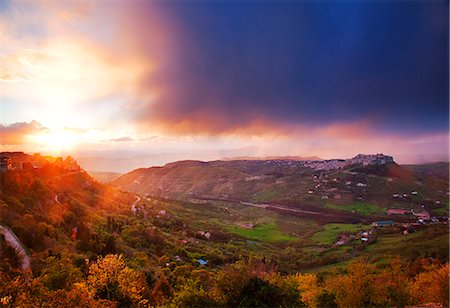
(325, 164)
(5, 163)
(420, 215)
(376, 159)
(361, 159)
(330, 164)
(404, 195)
(333, 192)
(362, 235)
(22, 161)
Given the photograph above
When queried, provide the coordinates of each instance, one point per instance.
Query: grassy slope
(331, 232)
(268, 232)
(431, 240)
(358, 207)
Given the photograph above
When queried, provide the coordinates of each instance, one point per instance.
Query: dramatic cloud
(17, 133)
(298, 77)
(308, 63)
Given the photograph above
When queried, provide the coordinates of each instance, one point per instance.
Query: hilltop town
(20, 160)
(360, 159)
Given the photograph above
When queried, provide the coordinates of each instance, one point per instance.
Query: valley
(217, 217)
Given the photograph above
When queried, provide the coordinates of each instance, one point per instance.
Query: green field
(358, 207)
(331, 231)
(434, 239)
(267, 232)
(266, 195)
(441, 211)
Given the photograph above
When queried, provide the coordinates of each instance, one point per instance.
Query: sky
(170, 80)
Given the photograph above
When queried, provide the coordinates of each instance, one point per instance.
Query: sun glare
(56, 140)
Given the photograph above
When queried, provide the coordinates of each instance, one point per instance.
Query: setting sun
(57, 140)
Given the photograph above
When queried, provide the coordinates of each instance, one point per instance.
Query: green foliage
(358, 207)
(193, 294)
(243, 284)
(148, 241)
(331, 232)
(267, 232)
(254, 284)
(162, 290)
(59, 273)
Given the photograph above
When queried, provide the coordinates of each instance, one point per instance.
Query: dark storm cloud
(304, 62)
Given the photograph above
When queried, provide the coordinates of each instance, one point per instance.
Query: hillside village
(20, 161)
(60, 214)
(360, 159)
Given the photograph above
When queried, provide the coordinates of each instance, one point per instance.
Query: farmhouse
(422, 215)
(383, 223)
(5, 163)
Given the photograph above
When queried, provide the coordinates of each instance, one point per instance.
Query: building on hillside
(422, 215)
(202, 261)
(5, 163)
(384, 223)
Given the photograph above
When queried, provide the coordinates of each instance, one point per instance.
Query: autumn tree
(109, 278)
(432, 286)
(162, 290)
(355, 288)
(391, 285)
(309, 288)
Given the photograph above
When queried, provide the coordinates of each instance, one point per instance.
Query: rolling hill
(65, 235)
(365, 184)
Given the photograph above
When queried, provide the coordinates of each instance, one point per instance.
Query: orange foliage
(432, 286)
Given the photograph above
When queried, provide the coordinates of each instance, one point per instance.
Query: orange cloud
(17, 133)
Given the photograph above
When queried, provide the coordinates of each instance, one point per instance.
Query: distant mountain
(293, 183)
(124, 161)
(104, 177)
(300, 158)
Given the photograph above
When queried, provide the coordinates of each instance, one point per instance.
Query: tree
(59, 273)
(162, 290)
(431, 286)
(308, 288)
(193, 294)
(391, 285)
(355, 288)
(110, 279)
(251, 284)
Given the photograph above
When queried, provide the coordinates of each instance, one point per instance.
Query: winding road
(278, 207)
(13, 241)
(133, 206)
